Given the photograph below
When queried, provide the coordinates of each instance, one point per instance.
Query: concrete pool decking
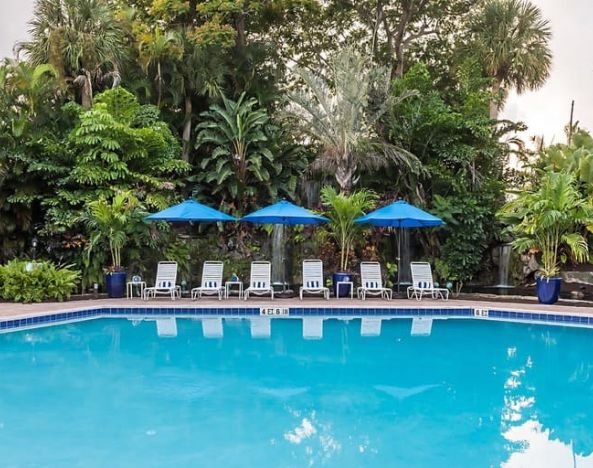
(11, 310)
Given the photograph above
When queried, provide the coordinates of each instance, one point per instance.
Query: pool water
(475, 393)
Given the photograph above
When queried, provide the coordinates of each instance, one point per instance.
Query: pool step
(312, 328)
(421, 326)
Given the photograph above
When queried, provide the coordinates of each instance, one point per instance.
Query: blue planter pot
(116, 284)
(344, 288)
(548, 290)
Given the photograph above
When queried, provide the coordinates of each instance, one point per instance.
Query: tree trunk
(345, 176)
(87, 91)
(398, 44)
(159, 85)
(187, 129)
(495, 100)
(241, 40)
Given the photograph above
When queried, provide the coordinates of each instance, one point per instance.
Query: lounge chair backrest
(421, 275)
(166, 275)
(312, 274)
(261, 273)
(212, 275)
(370, 275)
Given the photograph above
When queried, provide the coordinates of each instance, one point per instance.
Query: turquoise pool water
(475, 393)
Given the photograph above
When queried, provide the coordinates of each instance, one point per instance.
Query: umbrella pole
(399, 241)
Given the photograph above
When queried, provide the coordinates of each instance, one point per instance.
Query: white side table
(228, 288)
(130, 288)
(351, 283)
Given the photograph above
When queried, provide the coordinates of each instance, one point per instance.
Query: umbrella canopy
(190, 210)
(284, 212)
(400, 214)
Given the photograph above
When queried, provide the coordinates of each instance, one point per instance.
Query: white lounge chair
(313, 279)
(372, 282)
(166, 277)
(260, 282)
(423, 284)
(211, 281)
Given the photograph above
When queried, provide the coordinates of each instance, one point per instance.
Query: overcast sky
(545, 111)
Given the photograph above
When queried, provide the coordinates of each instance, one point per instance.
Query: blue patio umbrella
(190, 210)
(284, 212)
(402, 215)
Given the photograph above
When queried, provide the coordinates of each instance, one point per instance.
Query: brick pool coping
(12, 311)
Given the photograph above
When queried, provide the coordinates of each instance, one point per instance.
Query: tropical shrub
(342, 211)
(466, 236)
(251, 158)
(117, 145)
(110, 223)
(575, 158)
(30, 281)
(551, 219)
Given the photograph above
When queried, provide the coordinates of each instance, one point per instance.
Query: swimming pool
(110, 392)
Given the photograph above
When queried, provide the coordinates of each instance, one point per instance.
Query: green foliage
(342, 211)
(337, 113)
(111, 223)
(117, 145)
(551, 218)
(462, 154)
(242, 166)
(405, 113)
(82, 39)
(26, 281)
(467, 233)
(575, 159)
(511, 40)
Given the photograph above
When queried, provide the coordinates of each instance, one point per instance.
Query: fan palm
(82, 39)
(343, 210)
(337, 113)
(551, 219)
(512, 41)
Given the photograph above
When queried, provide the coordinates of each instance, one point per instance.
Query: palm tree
(511, 40)
(110, 221)
(154, 48)
(551, 219)
(343, 210)
(337, 113)
(82, 39)
(200, 72)
(33, 83)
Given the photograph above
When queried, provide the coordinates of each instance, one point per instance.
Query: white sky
(545, 111)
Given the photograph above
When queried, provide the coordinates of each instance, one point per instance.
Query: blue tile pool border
(548, 318)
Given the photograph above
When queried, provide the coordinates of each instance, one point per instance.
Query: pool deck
(10, 310)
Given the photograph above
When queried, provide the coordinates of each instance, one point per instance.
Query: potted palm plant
(551, 220)
(342, 211)
(110, 223)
